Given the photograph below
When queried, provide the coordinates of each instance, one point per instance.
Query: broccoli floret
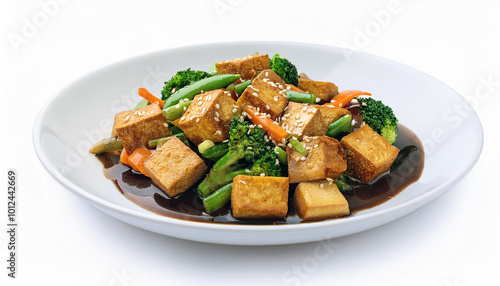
(180, 80)
(379, 117)
(246, 147)
(268, 165)
(285, 69)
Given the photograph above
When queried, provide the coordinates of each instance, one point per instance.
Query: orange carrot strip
(124, 157)
(344, 97)
(273, 130)
(293, 87)
(137, 159)
(144, 93)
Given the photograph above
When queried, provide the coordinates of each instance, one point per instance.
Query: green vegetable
(205, 145)
(160, 141)
(302, 97)
(213, 69)
(106, 145)
(344, 183)
(239, 88)
(141, 104)
(402, 155)
(216, 152)
(298, 146)
(180, 80)
(174, 129)
(218, 198)
(211, 83)
(285, 69)
(340, 127)
(281, 155)
(379, 117)
(174, 112)
(246, 146)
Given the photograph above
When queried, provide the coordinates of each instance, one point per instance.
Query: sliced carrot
(273, 130)
(293, 87)
(124, 157)
(137, 158)
(144, 93)
(344, 97)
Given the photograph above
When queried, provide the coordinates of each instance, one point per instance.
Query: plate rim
(152, 217)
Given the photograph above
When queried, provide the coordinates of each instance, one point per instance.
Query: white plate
(83, 112)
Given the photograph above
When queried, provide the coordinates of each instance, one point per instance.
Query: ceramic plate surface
(82, 113)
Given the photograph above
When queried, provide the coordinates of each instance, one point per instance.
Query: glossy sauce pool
(188, 206)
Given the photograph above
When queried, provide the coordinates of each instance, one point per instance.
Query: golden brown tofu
(325, 159)
(304, 120)
(259, 197)
(322, 89)
(208, 116)
(319, 200)
(174, 167)
(140, 126)
(244, 66)
(266, 93)
(118, 117)
(368, 153)
(331, 113)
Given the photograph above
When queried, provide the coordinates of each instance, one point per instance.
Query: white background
(63, 241)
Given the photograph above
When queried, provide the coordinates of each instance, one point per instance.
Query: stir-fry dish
(254, 140)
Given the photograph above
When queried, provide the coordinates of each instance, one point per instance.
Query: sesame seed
(177, 106)
(268, 148)
(307, 139)
(277, 162)
(184, 108)
(283, 118)
(272, 84)
(262, 174)
(225, 141)
(304, 108)
(280, 86)
(354, 122)
(255, 94)
(201, 97)
(165, 124)
(127, 118)
(216, 119)
(340, 104)
(243, 182)
(266, 74)
(322, 185)
(192, 117)
(248, 171)
(276, 98)
(303, 158)
(289, 145)
(183, 117)
(297, 116)
(200, 102)
(300, 124)
(173, 90)
(295, 124)
(274, 122)
(217, 105)
(203, 110)
(209, 97)
(318, 99)
(250, 148)
(315, 146)
(283, 140)
(288, 87)
(281, 145)
(217, 114)
(218, 132)
(235, 110)
(265, 80)
(268, 107)
(197, 120)
(260, 126)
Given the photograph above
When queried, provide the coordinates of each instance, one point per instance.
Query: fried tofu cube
(140, 126)
(368, 153)
(321, 89)
(259, 197)
(174, 167)
(331, 113)
(266, 93)
(325, 159)
(319, 200)
(244, 66)
(208, 117)
(118, 118)
(304, 120)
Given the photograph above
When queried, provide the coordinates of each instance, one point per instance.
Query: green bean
(207, 187)
(218, 198)
(141, 104)
(175, 111)
(298, 146)
(239, 88)
(340, 127)
(302, 97)
(160, 141)
(106, 145)
(281, 154)
(206, 84)
(216, 152)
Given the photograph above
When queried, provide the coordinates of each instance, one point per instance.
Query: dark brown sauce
(188, 206)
